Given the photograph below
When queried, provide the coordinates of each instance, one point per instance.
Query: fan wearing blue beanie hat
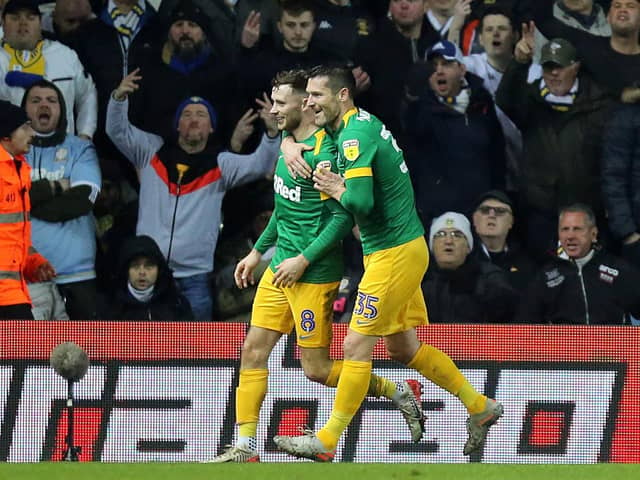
(183, 182)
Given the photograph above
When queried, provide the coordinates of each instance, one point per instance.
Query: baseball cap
(447, 50)
(451, 220)
(558, 51)
(496, 195)
(14, 6)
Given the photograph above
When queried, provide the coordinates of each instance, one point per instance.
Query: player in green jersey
(374, 185)
(301, 283)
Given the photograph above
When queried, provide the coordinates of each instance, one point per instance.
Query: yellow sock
(378, 386)
(334, 374)
(438, 367)
(381, 387)
(352, 388)
(249, 396)
(474, 401)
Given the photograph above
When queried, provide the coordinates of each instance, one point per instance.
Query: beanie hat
(451, 220)
(186, 10)
(11, 118)
(213, 116)
(14, 6)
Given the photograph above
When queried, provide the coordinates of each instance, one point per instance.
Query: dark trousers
(20, 311)
(80, 299)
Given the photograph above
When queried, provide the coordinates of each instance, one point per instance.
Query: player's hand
(44, 272)
(526, 46)
(243, 274)
(251, 30)
(292, 155)
(244, 129)
(328, 182)
(289, 271)
(129, 84)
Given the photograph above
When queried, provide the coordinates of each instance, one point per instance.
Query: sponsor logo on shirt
(608, 274)
(293, 194)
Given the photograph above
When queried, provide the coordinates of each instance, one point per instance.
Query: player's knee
(254, 355)
(316, 375)
(399, 354)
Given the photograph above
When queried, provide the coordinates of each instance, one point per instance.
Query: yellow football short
(390, 297)
(307, 306)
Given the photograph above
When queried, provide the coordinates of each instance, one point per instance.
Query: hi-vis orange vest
(15, 227)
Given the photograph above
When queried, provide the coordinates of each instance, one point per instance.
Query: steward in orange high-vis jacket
(19, 262)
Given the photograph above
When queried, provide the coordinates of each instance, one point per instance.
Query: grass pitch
(312, 471)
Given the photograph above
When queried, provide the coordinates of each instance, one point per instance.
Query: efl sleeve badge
(351, 149)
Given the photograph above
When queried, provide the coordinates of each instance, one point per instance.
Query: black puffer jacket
(561, 150)
(476, 292)
(166, 304)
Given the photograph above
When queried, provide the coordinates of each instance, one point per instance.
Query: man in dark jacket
(455, 141)
(146, 289)
(458, 287)
(188, 65)
(584, 285)
(561, 117)
(387, 55)
(493, 220)
(621, 177)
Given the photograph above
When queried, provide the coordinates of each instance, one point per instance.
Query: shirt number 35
(365, 306)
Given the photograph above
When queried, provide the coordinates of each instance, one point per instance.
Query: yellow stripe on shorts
(358, 172)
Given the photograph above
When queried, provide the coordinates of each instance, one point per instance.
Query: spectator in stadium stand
(561, 116)
(19, 261)
(614, 62)
(460, 287)
(183, 181)
(584, 285)
(465, 30)
(65, 183)
(221, 17)
(27, 57)
(386, 56)
(187, 66)
(65, 18)
(146, 289)
(621, 175)
(454, 139)
(493, 221)
(340, 24)
(125, 35)
(439, 16)
(259, 62)
(297, 290)
(497, 35)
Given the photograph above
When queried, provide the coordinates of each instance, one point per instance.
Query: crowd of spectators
(154, 147)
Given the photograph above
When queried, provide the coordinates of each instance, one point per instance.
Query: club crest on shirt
(554, 278)
(351, 149)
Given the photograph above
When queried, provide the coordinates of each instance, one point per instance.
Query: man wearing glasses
(459, 287)
(493, 219)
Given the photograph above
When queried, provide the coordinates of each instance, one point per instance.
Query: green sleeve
(340, 225)
(358, 198)
(268, 237)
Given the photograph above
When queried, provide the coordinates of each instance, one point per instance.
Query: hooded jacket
(64, 218)
(166, 304)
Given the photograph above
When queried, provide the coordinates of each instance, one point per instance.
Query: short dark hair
(297, 78)
(339, 76)
(496, 10)
(296, 8)
(579, 208)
